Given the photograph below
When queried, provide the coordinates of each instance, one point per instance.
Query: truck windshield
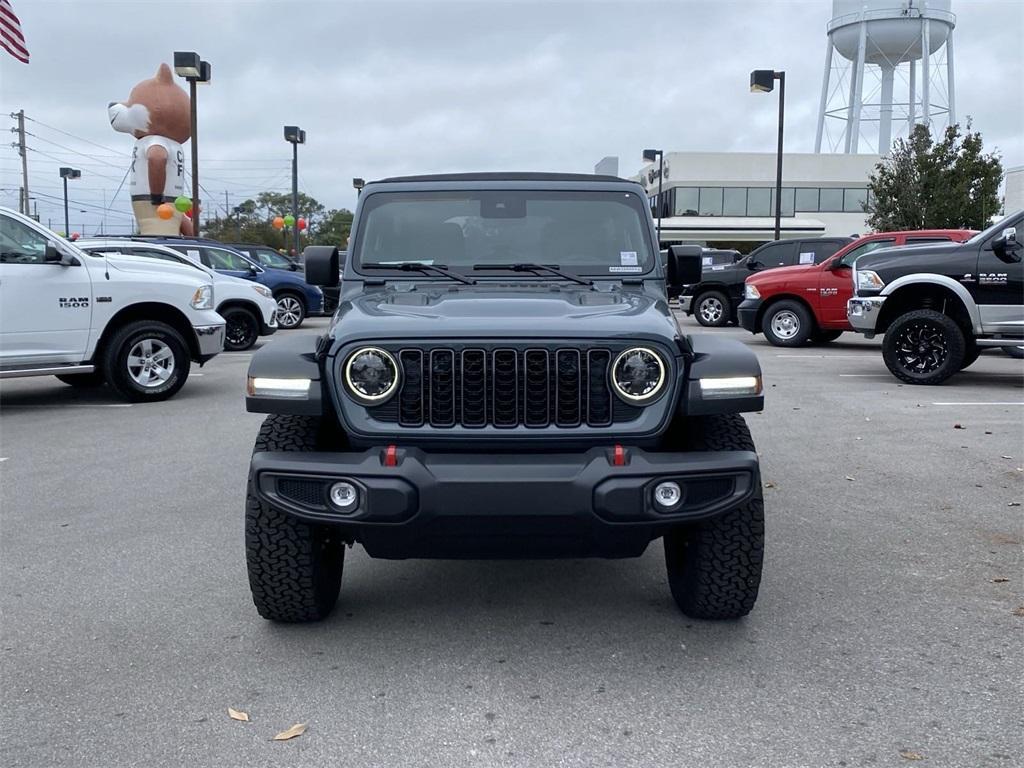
(588, 233)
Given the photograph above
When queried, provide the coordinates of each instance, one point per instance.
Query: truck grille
(505, 388)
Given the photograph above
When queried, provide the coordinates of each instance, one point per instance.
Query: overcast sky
(385, 88)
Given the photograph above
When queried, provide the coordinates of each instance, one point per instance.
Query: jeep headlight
(869, 281)
(202, 298)
(371, 375)
(638, 375)
(262, 290)
(751, 292)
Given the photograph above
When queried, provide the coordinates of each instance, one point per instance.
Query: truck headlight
(262, 290)
(751, 292)
(869, 281)
(203, 297)
(638, 375)
(371, 375)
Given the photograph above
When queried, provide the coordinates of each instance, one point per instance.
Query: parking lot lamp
(65, 174)
(188, 65)
(650, 155)
(763, 81)
(295, 136)
(358, 184)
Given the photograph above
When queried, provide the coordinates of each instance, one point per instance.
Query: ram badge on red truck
(796, 305)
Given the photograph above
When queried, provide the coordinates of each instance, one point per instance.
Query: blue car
(296, 299)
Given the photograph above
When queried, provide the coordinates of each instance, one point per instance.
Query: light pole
(295, 136)
(763, 81)
(188, 65)
(650, 155)
(65, 174)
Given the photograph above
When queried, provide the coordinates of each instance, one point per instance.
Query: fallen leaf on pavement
(1006, 457)
(907, 754)
(235, 714)
(1000, 580)
(1019, 610)
(769, 484)
(296, 730)
(959, 426)
(1013, 504)
(849, 478)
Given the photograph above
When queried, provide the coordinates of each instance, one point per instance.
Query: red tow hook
(391, 456)
(619, 456)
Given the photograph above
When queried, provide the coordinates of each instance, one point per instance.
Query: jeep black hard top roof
(501, 176)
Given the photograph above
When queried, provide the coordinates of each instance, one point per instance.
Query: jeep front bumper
(863, 313)
(453, 505)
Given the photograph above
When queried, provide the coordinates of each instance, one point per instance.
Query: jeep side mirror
(51, 255)
(321, 265)
(684, 266)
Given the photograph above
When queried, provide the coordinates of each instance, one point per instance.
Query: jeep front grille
(505, 387)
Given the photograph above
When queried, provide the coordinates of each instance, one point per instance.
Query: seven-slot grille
(505, 387)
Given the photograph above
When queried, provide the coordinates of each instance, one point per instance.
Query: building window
(735, 202)
(710, 201)
(807, 199)
(686, 201)
(831, 201)
(787, 201)
(854, 199)
(759, 201)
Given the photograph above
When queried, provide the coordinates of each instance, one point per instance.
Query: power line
(74, 151)
(71, 135)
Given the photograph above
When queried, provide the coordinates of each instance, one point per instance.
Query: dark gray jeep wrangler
(503, 379)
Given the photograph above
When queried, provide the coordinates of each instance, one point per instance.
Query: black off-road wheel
(924, 347)
(82, 380)
(241, 329)
(787, 324)
(294, 567)
(714, 567)
(146, 361)
(712, 309)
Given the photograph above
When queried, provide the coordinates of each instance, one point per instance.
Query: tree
(333, 229)
(924, 184)
(252, 220)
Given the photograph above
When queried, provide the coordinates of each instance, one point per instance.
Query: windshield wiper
(526, 266)
(416, 266)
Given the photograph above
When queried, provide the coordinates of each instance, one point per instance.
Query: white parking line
(1005, 403)
(4, 458)
(8, 406)
(864, 375)
(819, 357)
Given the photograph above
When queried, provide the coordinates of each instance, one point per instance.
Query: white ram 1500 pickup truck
(90, 319)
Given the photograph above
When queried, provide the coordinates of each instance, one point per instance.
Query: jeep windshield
(594, 233)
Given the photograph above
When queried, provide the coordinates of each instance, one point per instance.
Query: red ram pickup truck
(792, 306)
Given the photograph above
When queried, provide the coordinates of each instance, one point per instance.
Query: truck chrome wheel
(289, 312)
(711, 310)
(150, 363)
(921, 347)
(785, 324)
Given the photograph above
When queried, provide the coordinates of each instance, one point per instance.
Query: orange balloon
(165, 211)
(278, 222)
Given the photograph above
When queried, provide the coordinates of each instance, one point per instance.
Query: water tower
(881, 45)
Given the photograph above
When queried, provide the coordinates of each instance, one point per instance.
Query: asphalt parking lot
(889, 630)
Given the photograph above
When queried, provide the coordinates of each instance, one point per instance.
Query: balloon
(182, 203)
(165, 211)
(301, 223)
(75, 235)
(289, 220)
(62, 234)
(278, 222)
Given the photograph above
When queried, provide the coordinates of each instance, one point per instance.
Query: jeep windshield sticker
(807, 258)
(625, 269)
(628, 258)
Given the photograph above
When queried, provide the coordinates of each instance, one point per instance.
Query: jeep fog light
(667, 494)
(731, 386)
(259, 386)
(344, 496)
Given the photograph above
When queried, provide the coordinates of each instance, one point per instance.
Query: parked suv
(503, 379)
(714, 299)
(248, 308)
(797, 305)
(295, 299)
(939, 305)
(89, 319)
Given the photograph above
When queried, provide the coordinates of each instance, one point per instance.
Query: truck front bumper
(863, 313)
(746, 314)
(210, 340)
(504, 505)
(686, 304)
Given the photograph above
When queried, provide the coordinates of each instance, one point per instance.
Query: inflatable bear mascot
(157, 114)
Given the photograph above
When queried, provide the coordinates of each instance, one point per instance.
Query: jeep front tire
(294, 568)
(924, 347)
(714, 566)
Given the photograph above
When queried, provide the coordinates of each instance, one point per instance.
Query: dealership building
(727, 199)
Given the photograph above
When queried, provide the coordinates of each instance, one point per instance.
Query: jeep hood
(546, 310)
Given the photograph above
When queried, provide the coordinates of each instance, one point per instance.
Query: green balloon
(182, 203)
(289, 220)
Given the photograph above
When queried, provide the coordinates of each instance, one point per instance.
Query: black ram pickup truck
(503, 379)
(940, 304)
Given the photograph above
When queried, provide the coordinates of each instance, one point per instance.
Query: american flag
(11, 38)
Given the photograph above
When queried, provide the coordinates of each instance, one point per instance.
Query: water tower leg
(912, 101)
(950, 78)
(857, 92)
(885, 116)
(824, 95)
(926, 75)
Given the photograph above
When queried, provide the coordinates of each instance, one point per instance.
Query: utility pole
(20, 114)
